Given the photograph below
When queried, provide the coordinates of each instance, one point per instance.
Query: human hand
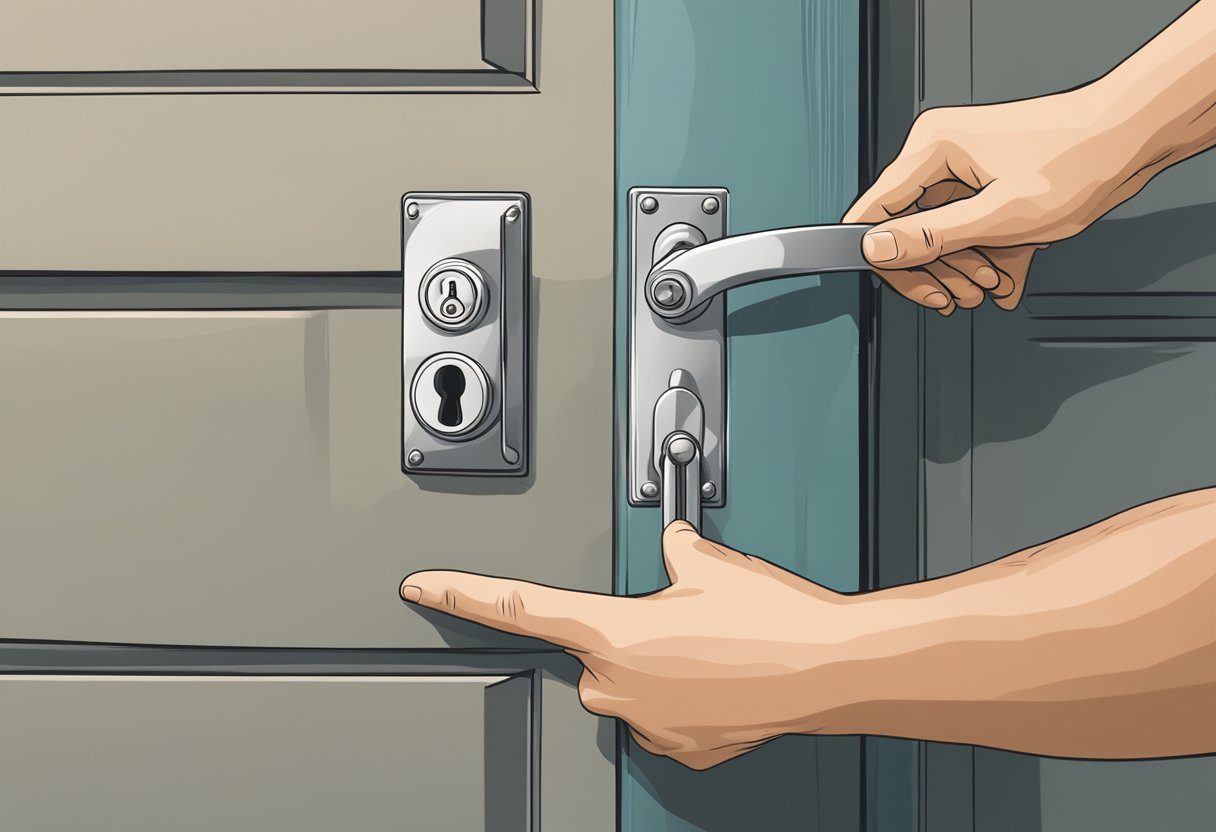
(731, 655)
(976, 191)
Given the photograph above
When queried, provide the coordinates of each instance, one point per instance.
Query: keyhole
(449, 384)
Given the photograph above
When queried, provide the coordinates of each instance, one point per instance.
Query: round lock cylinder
(452, 295)
(451, 396)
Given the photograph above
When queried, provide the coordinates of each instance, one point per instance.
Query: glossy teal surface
(761, 98)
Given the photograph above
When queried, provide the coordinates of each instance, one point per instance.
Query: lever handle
(682, 480)
(680, 286)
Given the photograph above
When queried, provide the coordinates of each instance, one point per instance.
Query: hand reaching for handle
(707, 669)
(976, 191)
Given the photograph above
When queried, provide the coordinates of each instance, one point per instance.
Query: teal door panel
(763, 99)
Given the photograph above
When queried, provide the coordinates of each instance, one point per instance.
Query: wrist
(904, 655)
(1124, 128)
(870, 667)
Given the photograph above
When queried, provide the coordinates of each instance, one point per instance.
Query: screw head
(415, 458)
(649, 205)
(650, 490)
(411, 210)
(512, 215)
(708, 490)
(710, 205)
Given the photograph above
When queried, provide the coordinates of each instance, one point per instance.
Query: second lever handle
(681, 480)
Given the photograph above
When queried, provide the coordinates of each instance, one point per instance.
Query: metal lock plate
(661, 220)
(465, 275)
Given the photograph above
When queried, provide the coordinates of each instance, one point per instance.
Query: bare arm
(1099, 644)
(976, 191)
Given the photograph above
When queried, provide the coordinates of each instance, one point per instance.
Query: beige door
(203, 514)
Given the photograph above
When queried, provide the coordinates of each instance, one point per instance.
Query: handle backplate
(661, 221)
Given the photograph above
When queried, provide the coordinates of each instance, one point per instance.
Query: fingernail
(1004, 288)
(987, 277)
(412, 594)
(879, 246)
(936, 300)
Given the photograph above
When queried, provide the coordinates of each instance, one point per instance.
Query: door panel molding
(529, 696)
(232, 291)
(461, 47)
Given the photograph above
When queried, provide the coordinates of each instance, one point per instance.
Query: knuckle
(930, 123)
(510, 606)
(696, 762)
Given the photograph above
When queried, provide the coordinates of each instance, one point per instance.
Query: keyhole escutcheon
(450, 385)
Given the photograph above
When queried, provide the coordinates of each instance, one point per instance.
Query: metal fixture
(698, 275)
(453, 294)
(451, 395)
(465, 273)
(681, 263)
(679, 425)
(659, 347)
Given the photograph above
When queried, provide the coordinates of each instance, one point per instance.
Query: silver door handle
(681, 264)
(684, 282)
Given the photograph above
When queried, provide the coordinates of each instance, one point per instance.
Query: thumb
(916, 239)
(679, 541)
(685, 552)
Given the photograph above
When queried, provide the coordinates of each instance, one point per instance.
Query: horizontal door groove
(101, 291)
(41, 658)
(229, 82)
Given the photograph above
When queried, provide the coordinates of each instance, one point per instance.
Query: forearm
(1099, 644)
(1161, 101)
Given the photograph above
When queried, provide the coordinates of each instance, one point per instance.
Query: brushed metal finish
(702, 273)
(681, 473)
(482, 238)
(658, 347)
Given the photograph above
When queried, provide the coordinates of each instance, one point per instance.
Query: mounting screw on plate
(650, 490)
(415, 458)
(512, 215)
(411, 210)
(708, 490)
(710, 205)
(649, 205)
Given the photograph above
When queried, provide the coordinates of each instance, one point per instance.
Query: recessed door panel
(266, 752)
(235, 478)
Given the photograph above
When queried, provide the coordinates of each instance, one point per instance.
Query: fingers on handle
(966, 294)
(679, 540)
(916, 239)
(573, 620)
(1014, 266)
(899, 186)
(922, 288)
(975, 267)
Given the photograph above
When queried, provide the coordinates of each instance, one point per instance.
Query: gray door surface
(1094, 396)
(203, 513)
